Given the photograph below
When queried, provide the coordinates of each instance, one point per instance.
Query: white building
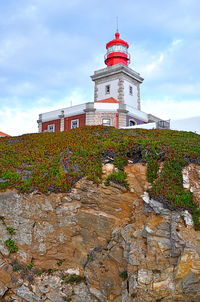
(116, 97)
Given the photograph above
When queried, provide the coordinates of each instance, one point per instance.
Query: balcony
(163, 124)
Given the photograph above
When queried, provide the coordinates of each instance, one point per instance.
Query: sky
(49, 49)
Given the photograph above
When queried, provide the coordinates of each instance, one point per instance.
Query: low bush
(75, 279)
(118, 177)
(10, 244)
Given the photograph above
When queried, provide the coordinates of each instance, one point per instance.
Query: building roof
(109, 100)
(2, 134)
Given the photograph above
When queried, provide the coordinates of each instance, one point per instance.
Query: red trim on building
(117, 120)
(67, 122)
(56, 124)
(117, 41)
(80, 117)
(109, 100)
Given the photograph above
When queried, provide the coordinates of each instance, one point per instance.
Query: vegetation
(53, 162)
(11, 231)
(2, 219)
(16, 268)
(75, 279)
(118, 177)
(123, 275)
(10, 244)
(60, 262)
(30, 265)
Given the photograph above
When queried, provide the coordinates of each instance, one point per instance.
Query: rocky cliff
(99, 243)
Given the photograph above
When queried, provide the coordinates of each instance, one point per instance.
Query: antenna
(117, 24)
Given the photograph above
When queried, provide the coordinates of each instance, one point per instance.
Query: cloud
(153, 64)
(171, 109)
(171, 72)
(50, 48)
(19, 119)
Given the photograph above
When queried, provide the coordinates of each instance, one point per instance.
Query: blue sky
(49, 49)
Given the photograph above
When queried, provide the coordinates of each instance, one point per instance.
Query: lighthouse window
(107, 89)
(51, 128)
(74, 124)
(117, 48)
(106, 122)
(130, 90)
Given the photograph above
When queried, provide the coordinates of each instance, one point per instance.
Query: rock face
(98, 243)
(191, 180)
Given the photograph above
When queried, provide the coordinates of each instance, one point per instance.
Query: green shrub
(123, 275)
(120, 162)
(2, 218)
(11, 231)
(152, 169)
(118, 177)
(16, 268)
(10, 244)
(50, 270)
(37, 272)
(75, 279)
(30, 265)
(60, 262)
(67, 299)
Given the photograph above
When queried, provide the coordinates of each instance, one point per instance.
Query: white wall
(110, 107)
(131, 100)
(138, 114)
(187, 124)
(68, 111)
(101, 93)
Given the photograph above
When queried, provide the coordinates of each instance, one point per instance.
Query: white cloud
(151, 68)
(171, 109)
(49, 48)
(152, 65)
(19, 119)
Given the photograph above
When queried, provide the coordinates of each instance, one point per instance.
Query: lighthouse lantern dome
(117, 52)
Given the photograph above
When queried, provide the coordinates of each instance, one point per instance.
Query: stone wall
(98, 243)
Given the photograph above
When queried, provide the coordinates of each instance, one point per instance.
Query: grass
(53, 162)
(118, 177)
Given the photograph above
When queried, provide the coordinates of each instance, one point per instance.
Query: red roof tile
(109, 100)
(3, 134)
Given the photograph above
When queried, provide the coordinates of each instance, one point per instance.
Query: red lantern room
(117, 52)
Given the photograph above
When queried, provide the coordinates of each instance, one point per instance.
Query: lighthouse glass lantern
(117, 52)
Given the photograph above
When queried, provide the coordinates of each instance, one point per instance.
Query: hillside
(54, 162)
(98, 214)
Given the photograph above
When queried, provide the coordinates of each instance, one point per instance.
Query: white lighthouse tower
(118, 80)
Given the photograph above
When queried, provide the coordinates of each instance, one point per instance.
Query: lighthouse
(116, 96)
(117, 80)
